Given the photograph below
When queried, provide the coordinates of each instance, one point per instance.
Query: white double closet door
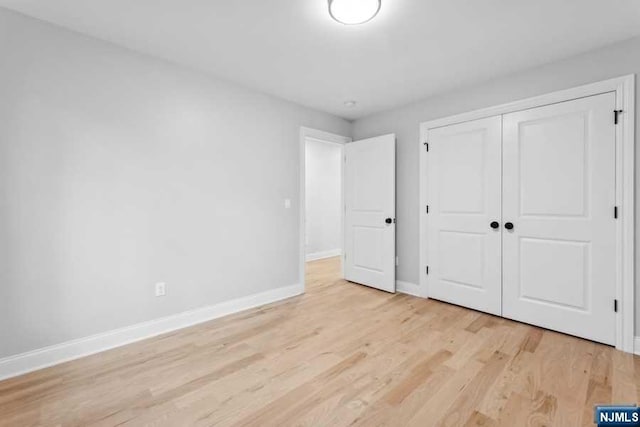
(521, 216)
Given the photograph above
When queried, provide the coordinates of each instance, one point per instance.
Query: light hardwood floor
(342, 354)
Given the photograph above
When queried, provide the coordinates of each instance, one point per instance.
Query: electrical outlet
(161, 289)
(287, 203)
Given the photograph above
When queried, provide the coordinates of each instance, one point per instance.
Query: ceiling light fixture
(354, 12)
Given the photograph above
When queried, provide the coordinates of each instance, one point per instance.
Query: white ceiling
(292, 49)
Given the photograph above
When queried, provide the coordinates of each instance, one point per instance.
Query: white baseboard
(324, 254)
(408, 288)
(636, 346)
(48, 356)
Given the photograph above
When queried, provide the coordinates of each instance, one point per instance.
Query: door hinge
(426, 146)
(426, 270)
(615, 212)
(615, 305)
(616, 114)
(427, 209)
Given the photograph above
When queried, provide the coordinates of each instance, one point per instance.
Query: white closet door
(370, 202)
(559, 194)
(463, 193)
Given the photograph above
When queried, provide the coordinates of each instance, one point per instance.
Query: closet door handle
(508, 225)
(495, 224)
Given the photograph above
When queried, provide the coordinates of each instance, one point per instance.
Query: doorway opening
(321, 200)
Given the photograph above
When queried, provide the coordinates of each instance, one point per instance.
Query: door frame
(331, 138)
(624, 87)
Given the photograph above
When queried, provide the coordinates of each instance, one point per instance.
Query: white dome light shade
(353, 12)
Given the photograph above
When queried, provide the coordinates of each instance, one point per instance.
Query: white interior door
(370, 211)
(463, 194)
(559, 195)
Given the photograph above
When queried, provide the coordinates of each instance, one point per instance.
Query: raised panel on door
(559, 193)
(370, 212)
(463, 193)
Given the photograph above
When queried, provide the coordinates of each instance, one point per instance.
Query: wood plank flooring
(340, 355)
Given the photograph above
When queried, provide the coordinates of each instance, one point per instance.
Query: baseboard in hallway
(408, 288)
(324, 254)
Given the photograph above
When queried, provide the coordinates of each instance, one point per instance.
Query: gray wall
(613, 61)
(323, 196)
(118, 170)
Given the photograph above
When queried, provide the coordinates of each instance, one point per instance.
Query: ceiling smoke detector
(354, 12)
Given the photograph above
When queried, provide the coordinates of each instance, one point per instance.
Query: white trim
(323, 254)
(316, 139)
(408, 288)
(636, 346)
(48, 356)
(625, 179)
(624, 87)
(611, 85)
(318, 135)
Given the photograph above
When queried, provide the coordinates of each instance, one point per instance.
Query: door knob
(388, 220)
(495, 224)
(508, 225)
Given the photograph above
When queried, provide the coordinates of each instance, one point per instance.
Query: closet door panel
(559, 194)
(463, 192)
